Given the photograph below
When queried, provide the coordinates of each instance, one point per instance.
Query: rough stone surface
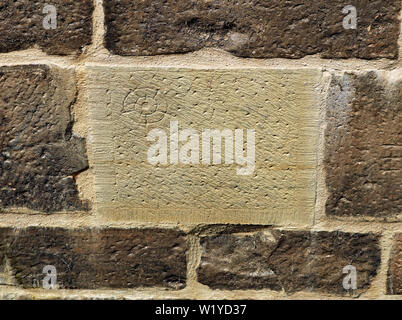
(127, 104)
(288, 260)
(364, 144)
(39, 155)
(96, 258)
(253, 28)
(394, 285)
(21, 25)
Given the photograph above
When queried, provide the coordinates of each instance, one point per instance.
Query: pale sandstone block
(281, 106)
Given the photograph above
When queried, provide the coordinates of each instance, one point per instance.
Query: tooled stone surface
(39, 155)
(394, 283)
(253, 28)
(21, 25)
(96, 258)
(127, 104)
(363, 149)
(288, 260)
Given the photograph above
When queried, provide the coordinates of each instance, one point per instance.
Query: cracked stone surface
(39, 154)
(253, 28)
(288, 260)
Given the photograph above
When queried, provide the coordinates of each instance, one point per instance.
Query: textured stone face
(127, 106)
(364, 145)
(253, 28)
(395, 267)
(39, 155)
(288, 260)
(96, 258)
(22, 27)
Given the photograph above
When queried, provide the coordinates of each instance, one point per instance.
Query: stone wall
(200, 149)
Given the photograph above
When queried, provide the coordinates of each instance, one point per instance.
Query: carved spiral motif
(145, 105)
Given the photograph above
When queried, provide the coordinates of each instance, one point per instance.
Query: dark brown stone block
(39, 155)
(363, 148)
(253, 28)
(394, 285)
(288, 260)
(21, 25)
(97, 258)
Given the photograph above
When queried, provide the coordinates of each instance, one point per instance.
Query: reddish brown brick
(253, 28)
(363, 149)
(97, 258)
(21, 25)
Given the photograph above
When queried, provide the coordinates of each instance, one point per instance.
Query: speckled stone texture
(39, 154)
(394, 283)
(288, 260)
(253, 28)
(363, 148)
(21, 25)
(281, 106)
(96, 258)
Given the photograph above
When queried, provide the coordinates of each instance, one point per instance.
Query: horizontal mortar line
(34, 56)
(196, 291)
(147, 67)
(71, 221)
(19, 220)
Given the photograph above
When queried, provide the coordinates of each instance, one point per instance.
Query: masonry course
(253, 28)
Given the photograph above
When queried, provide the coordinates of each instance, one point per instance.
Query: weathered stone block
(39, 154)
(394, 283)
(288, 260)
(269, 117)
(363, 148)
(28, 23)
(96, 258)
(254, 28)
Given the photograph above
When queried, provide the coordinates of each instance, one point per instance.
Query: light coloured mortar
(96, 54)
